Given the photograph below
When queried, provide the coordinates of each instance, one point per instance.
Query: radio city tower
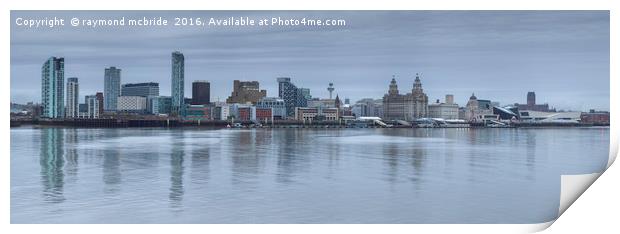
(330, 89)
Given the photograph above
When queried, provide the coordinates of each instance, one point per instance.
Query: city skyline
(580, 62)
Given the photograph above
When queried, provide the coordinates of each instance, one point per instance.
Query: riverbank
(173, 123)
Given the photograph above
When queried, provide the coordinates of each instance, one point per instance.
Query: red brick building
(595, 117)
(245, 113)
(263, 114)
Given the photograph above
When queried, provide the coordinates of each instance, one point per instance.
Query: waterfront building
(346, 111)
(478, 110)
(407, 107)
(417, 102)
(595, 117)
(445, 110)
(159, 105)
(368, 107)
(52, 88)
(245, 113)
(531, 104)
(472, 108)
(234, 111)
(178, 83)
(198, 112)
(133, 104)
(264, 114)
(246, 92)
(112, 88)
(506, 113)
(462, 113)
(485, 104)
(92, 106)
(224, 111)
(292, 96)
(360, 109)
(72, 104)
(541, 117)
(276, 104)
(393, 102)
(216, 113)
(100, 99)
(140, 89)
(82, 110)
(201, 92)
(310, 114)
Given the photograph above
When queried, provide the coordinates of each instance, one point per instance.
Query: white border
(294, 5)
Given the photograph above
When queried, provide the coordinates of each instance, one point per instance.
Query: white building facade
(131, 103)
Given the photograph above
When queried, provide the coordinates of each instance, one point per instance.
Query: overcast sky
(500, 55)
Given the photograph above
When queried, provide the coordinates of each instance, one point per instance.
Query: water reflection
(71, 168)
(290, 153)
(324, 176)
(391, 154)
(246, 161)
(201, 156)
(52, 162)
(112, 164)
(418, 158)
(176, 174)
(530, 146)
(333, 155)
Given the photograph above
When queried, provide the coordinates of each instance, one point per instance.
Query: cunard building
(408, 106)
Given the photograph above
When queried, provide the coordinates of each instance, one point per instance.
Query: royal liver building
(408, 106)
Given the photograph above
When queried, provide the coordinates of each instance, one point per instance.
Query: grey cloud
(458, 52)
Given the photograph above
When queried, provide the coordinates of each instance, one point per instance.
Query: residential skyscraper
(112, 88)
(73, 94)
(52, 87)
(140, 89)
(201, 92)
(178, 83)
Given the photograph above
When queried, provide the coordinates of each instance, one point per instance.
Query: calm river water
(155, 175)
